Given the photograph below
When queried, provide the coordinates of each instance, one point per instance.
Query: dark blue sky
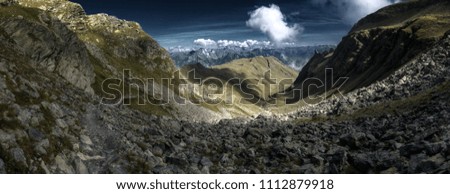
(180, 22)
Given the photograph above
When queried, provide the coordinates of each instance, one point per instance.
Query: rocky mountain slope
(296, 57)
(380, 44)
(100, 46)
(51, 122)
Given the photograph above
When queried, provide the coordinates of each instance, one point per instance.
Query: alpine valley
(59, 64)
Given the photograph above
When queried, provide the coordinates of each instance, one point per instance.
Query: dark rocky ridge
(381, 43)
(48, 43)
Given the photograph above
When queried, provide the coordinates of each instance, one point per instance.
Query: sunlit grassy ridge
(246, 85)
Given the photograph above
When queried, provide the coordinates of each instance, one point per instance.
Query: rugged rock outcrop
(113, 43)
(7, 2)
(47, 42)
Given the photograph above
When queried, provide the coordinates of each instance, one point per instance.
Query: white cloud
(271, 21)
(206, 43)
(353, 10)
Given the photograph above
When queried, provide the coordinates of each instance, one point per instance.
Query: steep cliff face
(48, 43)
(379, 44)
(87, 49)
(113, 43)
(106, 47)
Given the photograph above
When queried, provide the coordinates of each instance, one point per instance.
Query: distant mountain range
(296, 57)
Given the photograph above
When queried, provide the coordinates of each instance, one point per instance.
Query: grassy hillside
(243, 85)
(425, 18)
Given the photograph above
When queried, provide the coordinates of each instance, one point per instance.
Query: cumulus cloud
(353, 10)
(272, 22)
(205, 43)
(208, 43)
